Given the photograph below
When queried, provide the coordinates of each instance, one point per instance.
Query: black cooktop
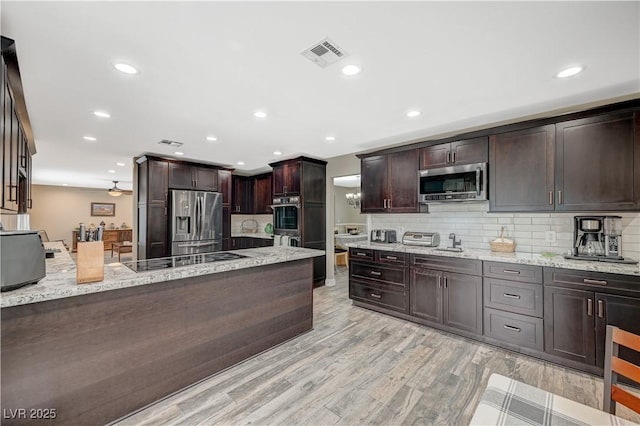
(181, 260)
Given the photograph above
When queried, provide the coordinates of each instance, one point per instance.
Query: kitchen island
(92, 353)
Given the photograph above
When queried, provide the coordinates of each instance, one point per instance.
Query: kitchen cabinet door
(463, 302)
(180, 176)
(426, 294)
(224, 186)
(205, 179)
(569, 324)
(521, 165)
(597, 163)
(468, 151)
(7, 108)
(619, 311)
(158, 182)
(374, 184)
(435, 156)
(286, 179)
(262, 197)
(402, 181)
(242, 195)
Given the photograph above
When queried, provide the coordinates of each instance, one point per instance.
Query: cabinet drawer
(377, 273)
(592, 281)
(386, 298)
(513, 272)
(515, 329)
(391, 257)
(363, 254)
(521, 298)
(443, 263)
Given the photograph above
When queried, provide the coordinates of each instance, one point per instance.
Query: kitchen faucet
(454, 243)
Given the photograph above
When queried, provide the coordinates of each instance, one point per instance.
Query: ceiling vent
(170, 143)
(325, 52)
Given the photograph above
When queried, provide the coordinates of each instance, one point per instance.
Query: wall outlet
(550, 237)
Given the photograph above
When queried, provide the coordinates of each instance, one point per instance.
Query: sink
(457, 249)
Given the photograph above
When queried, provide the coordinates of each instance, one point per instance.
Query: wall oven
(456, 183)
(286, 216)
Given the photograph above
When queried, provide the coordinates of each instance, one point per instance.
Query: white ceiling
(207, 66)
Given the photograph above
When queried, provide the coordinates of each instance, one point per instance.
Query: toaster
(21, 259)
(383, 236)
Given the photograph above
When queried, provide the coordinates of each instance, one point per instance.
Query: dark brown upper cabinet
(224, 186)
(286, 179)
(521, 171)
(242, 195)
(595, 160)
(467, 151)
(187, 176)
(390, 183)
(262, 195)
(588, 164)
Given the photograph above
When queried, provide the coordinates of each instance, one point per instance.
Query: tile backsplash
(472, 223)
(237, 219)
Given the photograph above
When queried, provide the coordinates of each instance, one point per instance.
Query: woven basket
(502, 246)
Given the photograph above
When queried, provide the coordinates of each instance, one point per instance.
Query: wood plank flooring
(361, 367)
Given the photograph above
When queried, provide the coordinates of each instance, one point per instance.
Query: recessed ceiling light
(413, 113)
(179, 153)
(330, 138)
(260, 114)
(212, 138)
(120, 164)
(101, 114)
(89, 138)
(277, 153)
(111, 171)
(126, 68)
(240, 163)
(65, 184)
(351, 70)
(568, 72)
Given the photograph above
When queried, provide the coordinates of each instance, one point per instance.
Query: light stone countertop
(556, 261)
(60, 281)
(252, 235)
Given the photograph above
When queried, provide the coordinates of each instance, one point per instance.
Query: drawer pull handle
(360, 254)
(512, 328)
(376, 295)
(391, 258)
(511, 296)
(511, 271)
(376, 273)
(596, 282)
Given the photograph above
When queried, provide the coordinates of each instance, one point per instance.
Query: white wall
(59, 209)
(472, 223)
(344, 212)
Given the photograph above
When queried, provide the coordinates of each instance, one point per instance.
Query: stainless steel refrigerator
(196, 222)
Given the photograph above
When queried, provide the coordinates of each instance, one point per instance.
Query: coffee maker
(598, 238)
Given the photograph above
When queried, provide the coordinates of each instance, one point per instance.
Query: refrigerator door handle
(197, 244)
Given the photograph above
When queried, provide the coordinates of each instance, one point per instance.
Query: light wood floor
(361, 367)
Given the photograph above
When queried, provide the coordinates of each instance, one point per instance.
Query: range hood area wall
(476, 227)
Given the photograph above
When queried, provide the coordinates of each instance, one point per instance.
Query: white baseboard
(330, 282)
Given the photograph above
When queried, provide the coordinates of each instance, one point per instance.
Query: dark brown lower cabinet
(451, 299)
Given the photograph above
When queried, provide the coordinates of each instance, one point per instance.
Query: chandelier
(353, 199)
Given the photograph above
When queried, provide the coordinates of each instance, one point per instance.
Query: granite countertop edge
(557, 261)
(60, 281)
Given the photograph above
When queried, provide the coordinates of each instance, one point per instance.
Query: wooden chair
(614, 366)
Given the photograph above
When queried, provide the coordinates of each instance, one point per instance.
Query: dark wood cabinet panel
(262, 194)
(286, 179)
(461, 152)
(426, 294)
(597, 162)
(569, 324)
(158, 182)
(514, 329)
(463, 302)
(205, 179)
(153, 187)
(180, 176)
(402, 169)
(189, 176)
(517, 297)
(224, 186)
(522, 170)
(374, 184)
(242, 198)
(619, 311)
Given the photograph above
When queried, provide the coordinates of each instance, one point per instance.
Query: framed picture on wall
(103, 209)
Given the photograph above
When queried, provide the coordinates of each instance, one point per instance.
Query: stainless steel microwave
(455, 183)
